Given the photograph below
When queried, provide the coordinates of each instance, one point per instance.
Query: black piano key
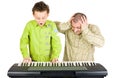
(41, 64)
(21, 64)
(68, 64)
(37, 64)
(77, 64)
(72, 64)
(87, 64)
(92, 64)
(45, 64)
(51, 64)
(54, 64)
(83, 64)
(61, 64)
(33, 64)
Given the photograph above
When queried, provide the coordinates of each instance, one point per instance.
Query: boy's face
(76, 27)
(40, 17)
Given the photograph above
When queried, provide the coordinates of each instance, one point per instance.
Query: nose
(75, 30)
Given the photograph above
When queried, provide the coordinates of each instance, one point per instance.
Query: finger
(29, 60)
(83, 19)
(54, 60)
(25, 61)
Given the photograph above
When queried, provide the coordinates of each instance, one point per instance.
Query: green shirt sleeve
(24, 42)
(56, 44)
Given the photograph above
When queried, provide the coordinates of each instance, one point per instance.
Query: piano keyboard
(58, 64)
(73, 69)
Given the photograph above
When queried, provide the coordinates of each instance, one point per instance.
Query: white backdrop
(14, 14)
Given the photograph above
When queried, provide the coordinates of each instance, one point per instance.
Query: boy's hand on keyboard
(27, 60)
(54, 60)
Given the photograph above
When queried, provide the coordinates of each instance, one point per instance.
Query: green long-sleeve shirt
(40, 43)
(80, 47)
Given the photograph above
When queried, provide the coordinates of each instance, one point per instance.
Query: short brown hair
(78, 16)
(40, 6)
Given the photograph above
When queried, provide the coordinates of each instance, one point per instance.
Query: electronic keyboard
(75, 69)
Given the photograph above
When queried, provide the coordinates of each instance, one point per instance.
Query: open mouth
(41, 23)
